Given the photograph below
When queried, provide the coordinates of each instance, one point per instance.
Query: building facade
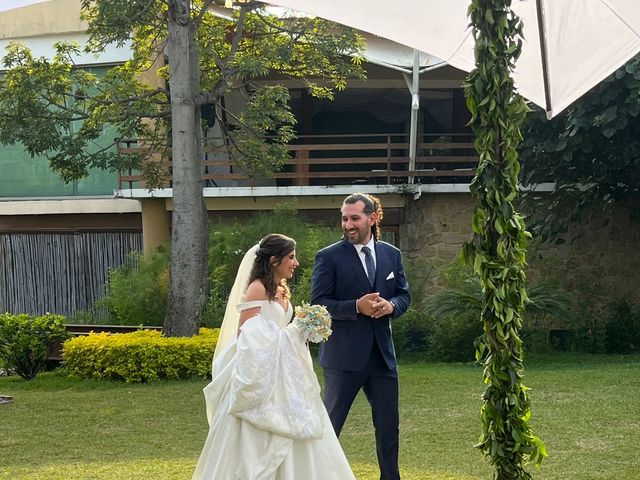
(358, 142)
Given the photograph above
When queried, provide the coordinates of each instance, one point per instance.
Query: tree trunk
(189, 233)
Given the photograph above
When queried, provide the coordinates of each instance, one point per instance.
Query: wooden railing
(318, 160)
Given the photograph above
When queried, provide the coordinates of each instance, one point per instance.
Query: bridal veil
(229, 327)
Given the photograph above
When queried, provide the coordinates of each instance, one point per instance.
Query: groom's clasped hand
(373, 305)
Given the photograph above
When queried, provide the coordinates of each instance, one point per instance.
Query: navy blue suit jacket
(338, 280)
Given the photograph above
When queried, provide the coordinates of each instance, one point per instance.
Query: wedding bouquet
(313, 321)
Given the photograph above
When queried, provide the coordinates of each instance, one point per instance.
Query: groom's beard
(358, 239)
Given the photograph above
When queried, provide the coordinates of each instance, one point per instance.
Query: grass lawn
(586, 408)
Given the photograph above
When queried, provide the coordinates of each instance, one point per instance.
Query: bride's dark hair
(273, 245)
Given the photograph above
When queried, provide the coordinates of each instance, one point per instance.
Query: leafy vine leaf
(498, 248)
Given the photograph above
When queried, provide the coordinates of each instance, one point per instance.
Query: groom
(361, 282)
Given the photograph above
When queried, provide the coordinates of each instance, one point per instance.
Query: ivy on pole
(497, 250)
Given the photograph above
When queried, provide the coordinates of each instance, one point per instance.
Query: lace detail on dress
(256, 367)
(304, 391)
(274, 386)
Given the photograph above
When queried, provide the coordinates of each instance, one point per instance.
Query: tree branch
(205, 8)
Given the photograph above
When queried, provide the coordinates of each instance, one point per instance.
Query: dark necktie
(371, 268)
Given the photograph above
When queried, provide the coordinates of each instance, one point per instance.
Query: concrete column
(156, 224)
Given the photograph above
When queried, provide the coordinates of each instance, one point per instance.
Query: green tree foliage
(210, 52)
(498, 249)
(70, 107)
(591, 152)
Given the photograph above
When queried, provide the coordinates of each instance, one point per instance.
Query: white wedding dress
(266, 418)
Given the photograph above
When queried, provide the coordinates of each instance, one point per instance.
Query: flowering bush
(140, 356)
(314, 321)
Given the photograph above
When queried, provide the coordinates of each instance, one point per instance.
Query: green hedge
(25, 341)
(140, 356)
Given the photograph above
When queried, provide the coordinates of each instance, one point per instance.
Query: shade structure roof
(569, 45)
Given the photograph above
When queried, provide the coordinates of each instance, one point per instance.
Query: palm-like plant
(544, 298)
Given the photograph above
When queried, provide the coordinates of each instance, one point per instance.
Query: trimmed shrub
(140, 356)
(411, 332)
(622, 334)
(453, 337)
(25, 341)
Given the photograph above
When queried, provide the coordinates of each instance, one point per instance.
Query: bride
(266, 418)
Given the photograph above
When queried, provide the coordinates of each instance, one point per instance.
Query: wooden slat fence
(60, 273)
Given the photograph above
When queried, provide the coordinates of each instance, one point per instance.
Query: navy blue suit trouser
(380, 386)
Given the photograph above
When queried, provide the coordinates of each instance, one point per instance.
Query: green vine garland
(498, 248)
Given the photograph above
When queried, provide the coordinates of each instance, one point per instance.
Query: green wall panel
(24, 176)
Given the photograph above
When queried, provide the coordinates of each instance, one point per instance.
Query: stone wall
(436, 226)
(603, 252)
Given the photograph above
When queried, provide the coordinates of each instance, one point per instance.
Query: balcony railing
(322, 160)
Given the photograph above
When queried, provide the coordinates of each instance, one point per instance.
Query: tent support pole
(415, 107)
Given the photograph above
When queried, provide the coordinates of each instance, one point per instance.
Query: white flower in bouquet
(313, 321)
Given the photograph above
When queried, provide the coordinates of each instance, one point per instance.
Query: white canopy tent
(569, 47)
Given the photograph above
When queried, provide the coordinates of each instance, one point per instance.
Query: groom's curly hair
(273, 245)
(371, 205)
